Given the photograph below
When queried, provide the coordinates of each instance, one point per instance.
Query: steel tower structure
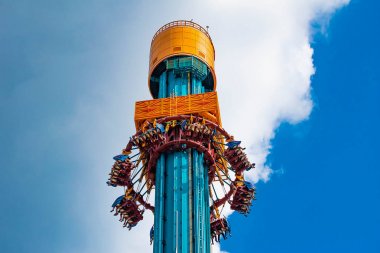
(180, 149)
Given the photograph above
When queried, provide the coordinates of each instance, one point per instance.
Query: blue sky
(327, 199)
(71, 71)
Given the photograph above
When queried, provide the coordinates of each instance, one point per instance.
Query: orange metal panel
(205, 105)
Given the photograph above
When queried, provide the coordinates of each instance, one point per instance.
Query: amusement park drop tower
(183, 153)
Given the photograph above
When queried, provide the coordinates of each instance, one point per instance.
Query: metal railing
(182, 23)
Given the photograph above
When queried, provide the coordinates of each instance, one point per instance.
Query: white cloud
(216, 249)
(264, 66)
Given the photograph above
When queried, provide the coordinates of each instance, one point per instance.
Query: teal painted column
(159, 205)
(182, 213)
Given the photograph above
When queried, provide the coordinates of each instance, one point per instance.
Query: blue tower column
(182, 213)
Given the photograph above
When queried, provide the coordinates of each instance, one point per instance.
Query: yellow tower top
(181, 38)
